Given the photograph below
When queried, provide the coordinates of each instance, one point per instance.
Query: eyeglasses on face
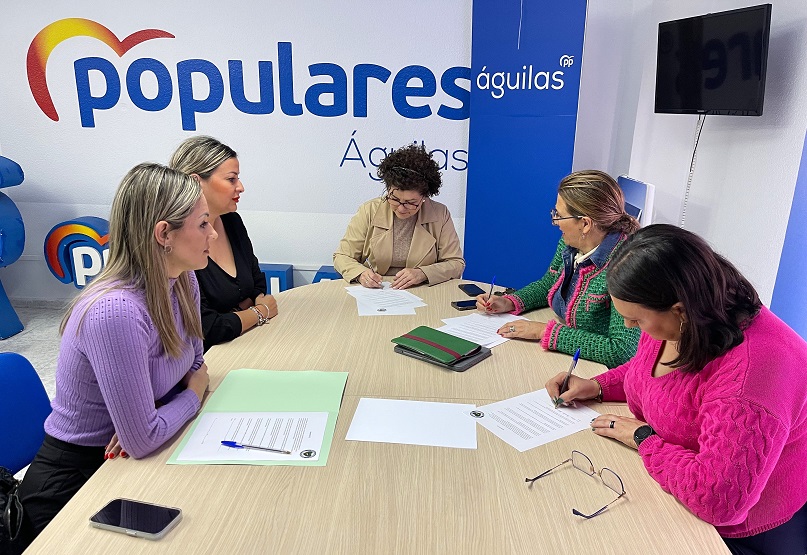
(408, 204)
(556, 217)
(581, 462)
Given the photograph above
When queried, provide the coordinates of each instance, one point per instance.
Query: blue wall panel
(790, 292)
(524, 95)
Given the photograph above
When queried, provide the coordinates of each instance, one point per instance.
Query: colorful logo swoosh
(51, 36)
(61, 240)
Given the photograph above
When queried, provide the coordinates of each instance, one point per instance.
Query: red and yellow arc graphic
(52, 246)
(51, 36)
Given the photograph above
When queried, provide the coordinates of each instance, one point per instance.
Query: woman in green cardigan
(590, 212)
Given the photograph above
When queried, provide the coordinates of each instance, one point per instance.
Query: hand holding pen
(566, 387)
(369, 278)
(490, 304)
(577, 388)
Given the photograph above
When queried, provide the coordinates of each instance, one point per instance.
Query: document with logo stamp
(531, 419)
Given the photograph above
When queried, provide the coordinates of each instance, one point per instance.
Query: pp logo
(566, 61)
(76, 251)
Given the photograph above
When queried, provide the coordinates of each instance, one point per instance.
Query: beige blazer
(368, 242)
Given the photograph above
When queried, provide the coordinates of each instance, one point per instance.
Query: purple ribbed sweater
(110, 373)
(732, 438)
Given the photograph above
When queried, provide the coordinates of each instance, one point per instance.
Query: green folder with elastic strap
(441, 347)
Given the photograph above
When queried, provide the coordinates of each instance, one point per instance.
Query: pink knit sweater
(732, 438)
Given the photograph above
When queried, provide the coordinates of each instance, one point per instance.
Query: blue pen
(236, 445)
(490, 295)
(564, 387)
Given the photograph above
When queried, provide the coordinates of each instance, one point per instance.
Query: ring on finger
(611, 425)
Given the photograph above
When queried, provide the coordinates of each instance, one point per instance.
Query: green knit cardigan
(591, 321)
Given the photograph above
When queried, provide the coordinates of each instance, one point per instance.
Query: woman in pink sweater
(718, 388)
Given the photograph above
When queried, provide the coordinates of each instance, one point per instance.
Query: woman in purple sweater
(718, 388)
(130, 363)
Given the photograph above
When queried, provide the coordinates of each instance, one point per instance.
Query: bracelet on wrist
(598, 398)
(261, 320)
(267, 311)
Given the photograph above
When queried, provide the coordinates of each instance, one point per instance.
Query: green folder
(247, 390)
(437, 345)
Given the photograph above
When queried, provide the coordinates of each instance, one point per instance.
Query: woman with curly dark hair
(717, 388)
(404, 233)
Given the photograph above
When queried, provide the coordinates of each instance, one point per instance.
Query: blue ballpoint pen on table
(564, 387)
(236, 445)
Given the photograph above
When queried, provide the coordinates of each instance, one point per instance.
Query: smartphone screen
(464, 305)
(137, 518)
(470, 289)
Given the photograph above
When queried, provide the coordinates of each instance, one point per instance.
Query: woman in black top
(233, 288)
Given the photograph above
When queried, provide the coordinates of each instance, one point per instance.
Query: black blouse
(221, 293)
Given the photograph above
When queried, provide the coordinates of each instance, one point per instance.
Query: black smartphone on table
(136, 518)
(470, 289)
(464, 305)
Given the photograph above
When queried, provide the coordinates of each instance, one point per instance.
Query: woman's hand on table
(497, 305)
(113, 449)
(522, 329)
(408, 277)
(580, 389)
(369, 278)
(620, 428)
(197, 381)
(266, 303)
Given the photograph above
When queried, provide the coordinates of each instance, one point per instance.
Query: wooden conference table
(390, 498)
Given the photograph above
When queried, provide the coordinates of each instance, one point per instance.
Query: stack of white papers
(479, 328)
(385, 301)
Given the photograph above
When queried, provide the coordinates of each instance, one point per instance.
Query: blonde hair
(200, 155)
(148, 194)
(595, 194)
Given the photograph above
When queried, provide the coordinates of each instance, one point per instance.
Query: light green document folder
(247, 390)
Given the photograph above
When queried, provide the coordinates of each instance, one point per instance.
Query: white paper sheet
(297, 432)
(385, 301)
(413, 423)
(531, 419)
(479, 328)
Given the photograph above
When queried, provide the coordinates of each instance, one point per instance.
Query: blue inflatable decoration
(12, 241)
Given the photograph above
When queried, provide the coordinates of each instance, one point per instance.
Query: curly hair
(595, 194)
(661, 265)
(411, 168)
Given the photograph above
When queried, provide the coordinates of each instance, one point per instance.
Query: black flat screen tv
(714, 63)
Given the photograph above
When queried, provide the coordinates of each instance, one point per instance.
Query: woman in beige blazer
(405, 233)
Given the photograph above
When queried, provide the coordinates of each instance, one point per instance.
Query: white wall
(746, 166)
(741, 192)
(609, 85)
(299, 195)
